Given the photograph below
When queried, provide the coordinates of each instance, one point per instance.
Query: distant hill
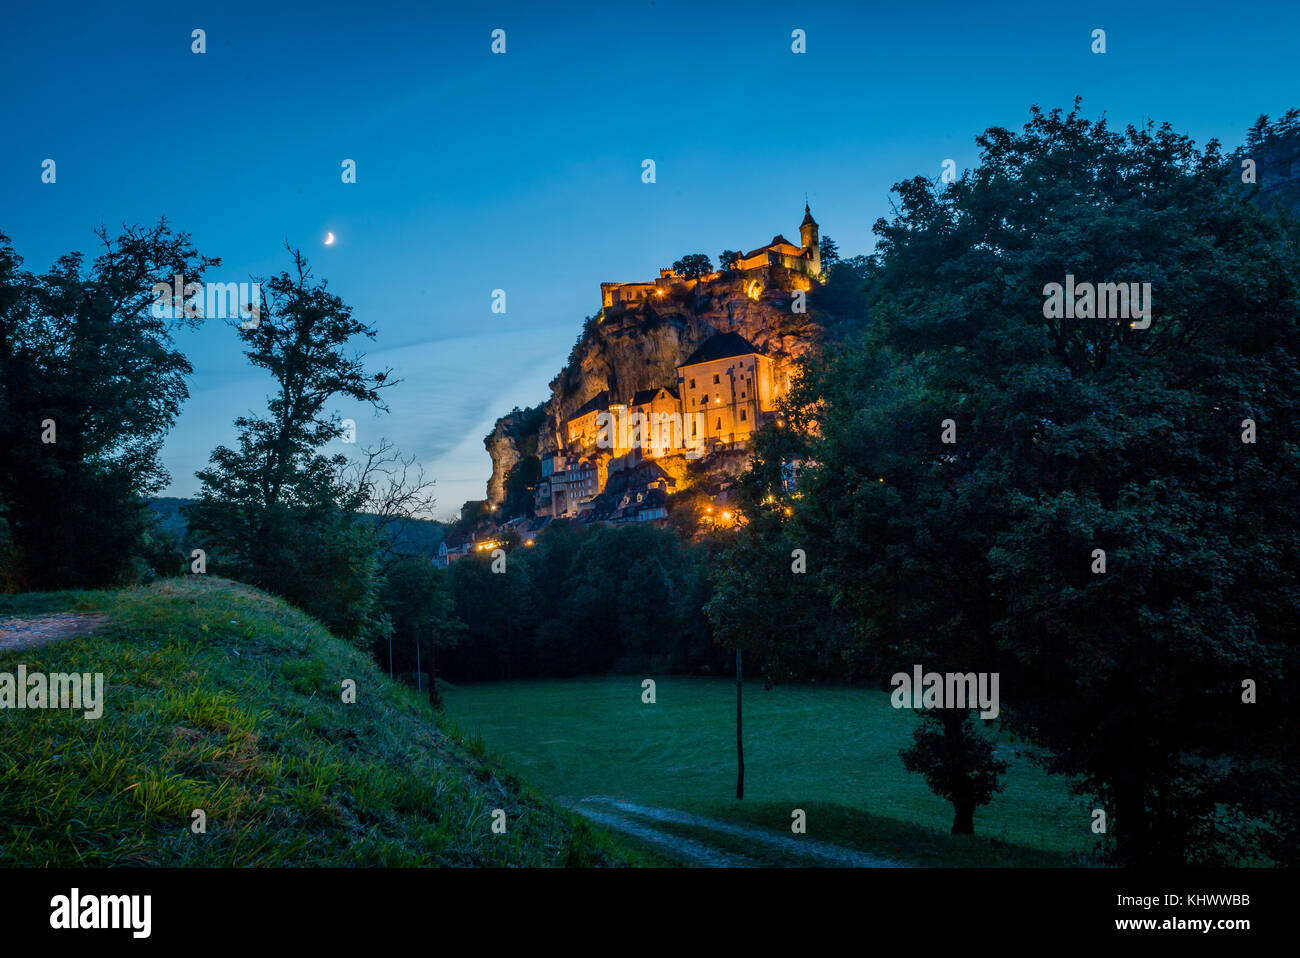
(420, 536)
(223, 698)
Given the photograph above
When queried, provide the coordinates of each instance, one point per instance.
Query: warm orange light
(529, 542)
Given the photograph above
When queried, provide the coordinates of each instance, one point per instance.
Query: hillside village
(663, 394)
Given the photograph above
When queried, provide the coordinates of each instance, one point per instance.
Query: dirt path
(824, 853)
(35, 630)
(689, 850)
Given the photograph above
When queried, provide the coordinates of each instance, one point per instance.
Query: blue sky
(523, 171)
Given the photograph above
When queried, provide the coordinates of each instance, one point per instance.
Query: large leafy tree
(277, 512)
(1086, 434)
(90, 383)
(693, 266)
(416, 597)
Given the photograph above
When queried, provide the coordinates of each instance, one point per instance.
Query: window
(742, 395)
(742, 415)
(692, 383)
(715, 379)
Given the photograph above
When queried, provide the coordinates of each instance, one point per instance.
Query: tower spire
(809, 238)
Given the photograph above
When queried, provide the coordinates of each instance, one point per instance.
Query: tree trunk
(963, 804)
(963, 821)
(1129, 823)
(740, 748)
(434, 698)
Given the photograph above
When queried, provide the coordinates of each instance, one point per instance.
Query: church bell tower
(809, 238)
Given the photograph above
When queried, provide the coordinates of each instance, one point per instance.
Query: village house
(725, 390)
(726, 387)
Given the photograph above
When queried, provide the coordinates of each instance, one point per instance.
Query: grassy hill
(222, 698)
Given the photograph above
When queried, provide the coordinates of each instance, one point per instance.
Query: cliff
(639, 346)
(513, 439)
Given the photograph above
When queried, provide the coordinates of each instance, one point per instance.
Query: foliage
(520, 480)
(582, 601)
(693, 266)
(956, 760)
(81, 349)
(828, 251)
(1076, 435)
(276, 512)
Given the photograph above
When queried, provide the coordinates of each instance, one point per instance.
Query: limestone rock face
(639, 346)
(514, 437)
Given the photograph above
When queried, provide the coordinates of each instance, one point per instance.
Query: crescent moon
(329, 239)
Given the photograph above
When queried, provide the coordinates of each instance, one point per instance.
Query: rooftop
(722, 346)
(597, 403)
(644, 396)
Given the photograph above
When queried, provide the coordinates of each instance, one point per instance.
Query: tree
(1097, 532)
(727, 259)
(275, 512)
(764, 605)
(418, 602)
(829, 251)
(394, 492)
(693, 266)
(90, 383)
(520, 481)
(957, 762)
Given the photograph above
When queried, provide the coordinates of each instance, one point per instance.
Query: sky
(522, 171)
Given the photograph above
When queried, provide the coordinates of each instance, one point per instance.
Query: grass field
(222, 698)
(830, 751)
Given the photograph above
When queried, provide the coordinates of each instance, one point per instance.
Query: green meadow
(830, 751)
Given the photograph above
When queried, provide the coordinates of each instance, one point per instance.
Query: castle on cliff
(721, 394)
(805, 259)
